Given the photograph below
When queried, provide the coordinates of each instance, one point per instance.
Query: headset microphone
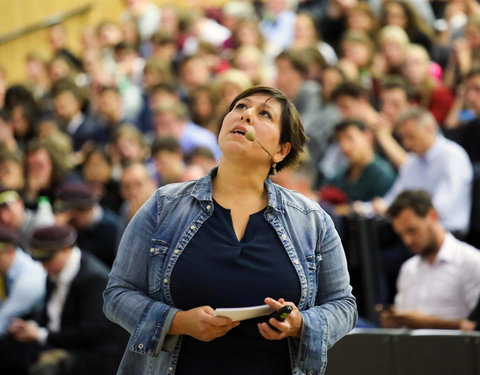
(251, 137)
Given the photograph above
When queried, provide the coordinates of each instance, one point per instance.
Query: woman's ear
(283, 152)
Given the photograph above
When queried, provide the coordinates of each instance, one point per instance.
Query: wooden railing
(46, 22)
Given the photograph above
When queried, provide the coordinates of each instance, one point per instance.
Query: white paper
(242, 313)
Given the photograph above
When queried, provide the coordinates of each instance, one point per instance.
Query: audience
(70, 334)
(138, 107)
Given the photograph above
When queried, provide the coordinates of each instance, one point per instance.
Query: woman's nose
(247, 115)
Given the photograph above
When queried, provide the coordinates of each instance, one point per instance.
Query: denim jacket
(138, 295)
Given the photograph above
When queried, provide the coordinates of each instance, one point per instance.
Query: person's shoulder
(454, 149)
(411, 264)
(381, 165)
(296, 200)
(200, 186)
(463, 247)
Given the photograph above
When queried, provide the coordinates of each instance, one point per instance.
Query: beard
(431, 245)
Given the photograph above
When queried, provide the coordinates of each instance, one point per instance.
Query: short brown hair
(419, 201)
(292, 129)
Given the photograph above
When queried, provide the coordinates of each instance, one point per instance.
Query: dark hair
(199, 151)
(300, 61)
(109, 88)
(292, 129)
(419, 201)
(161, 38)
(349, 88)
(168, 87)
(415, 23)
(344, 124)
(17, 94)
(99, 150)
(397, 82)
(66, 85)
(169, 144)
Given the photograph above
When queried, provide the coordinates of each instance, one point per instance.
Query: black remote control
(280, 315)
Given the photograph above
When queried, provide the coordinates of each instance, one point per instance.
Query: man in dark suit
(79, 125)
(71, 335)
(98, 227)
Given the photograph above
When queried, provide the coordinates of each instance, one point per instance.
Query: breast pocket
(156, 261)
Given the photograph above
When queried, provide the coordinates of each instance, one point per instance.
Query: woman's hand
(292, 326)
(201, 324)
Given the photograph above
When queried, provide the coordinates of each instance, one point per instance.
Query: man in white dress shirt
(434, 164)
(441, 282)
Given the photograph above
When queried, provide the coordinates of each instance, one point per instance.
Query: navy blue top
(216, 269)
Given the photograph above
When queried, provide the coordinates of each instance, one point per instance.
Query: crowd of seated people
(389, 102)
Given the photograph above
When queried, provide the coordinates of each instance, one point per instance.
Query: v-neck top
(218, 270)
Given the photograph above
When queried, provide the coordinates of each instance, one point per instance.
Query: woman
(429, 92)
(401, 13)
(231, 239)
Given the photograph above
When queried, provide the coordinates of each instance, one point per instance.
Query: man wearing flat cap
(98, 228)
(22, 280)
(14, 214)
(71, 332)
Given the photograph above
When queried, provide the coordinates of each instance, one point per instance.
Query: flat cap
(8, 196)
(8, 237)
(46, 241)
(74, 195)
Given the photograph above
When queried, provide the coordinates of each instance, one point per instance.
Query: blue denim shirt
(138, 293)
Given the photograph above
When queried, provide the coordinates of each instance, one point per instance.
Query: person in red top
(431, 93)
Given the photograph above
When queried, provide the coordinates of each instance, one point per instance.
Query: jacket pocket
(157, 255)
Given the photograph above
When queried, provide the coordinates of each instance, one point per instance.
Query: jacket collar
(202, 191)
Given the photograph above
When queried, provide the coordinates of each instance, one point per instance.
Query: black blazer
(83, 323)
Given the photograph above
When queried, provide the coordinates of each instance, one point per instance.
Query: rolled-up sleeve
(335, 310)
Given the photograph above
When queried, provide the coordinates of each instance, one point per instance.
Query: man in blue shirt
(435, 164)
(22, 280)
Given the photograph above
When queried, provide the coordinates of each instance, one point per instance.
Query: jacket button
(152, 250)
(176, 251)
(165, 280)
(208, 207)
(284, 236)
(192, 227)
(170, 368)
(140, 346)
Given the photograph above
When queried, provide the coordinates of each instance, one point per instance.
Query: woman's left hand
(292, 326)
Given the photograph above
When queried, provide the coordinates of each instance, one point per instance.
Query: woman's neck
(239, 183)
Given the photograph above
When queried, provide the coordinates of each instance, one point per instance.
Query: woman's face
(248, 65)
(394, 52)
(358, 53)
(359, 20)
(260, 115)
(247, 35)
(97, 169)
(395, 15)
(416, 67)
(304, 29)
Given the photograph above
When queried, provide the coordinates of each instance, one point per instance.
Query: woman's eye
(240, 106)
(265, 114)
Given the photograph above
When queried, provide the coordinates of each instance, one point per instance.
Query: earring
(274, 169)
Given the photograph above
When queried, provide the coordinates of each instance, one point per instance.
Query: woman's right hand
(201, 324)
